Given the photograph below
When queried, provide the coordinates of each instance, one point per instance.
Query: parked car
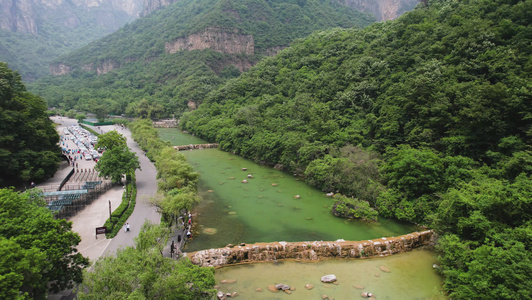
(88, 156)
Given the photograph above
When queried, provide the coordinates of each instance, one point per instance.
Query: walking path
(95, 214)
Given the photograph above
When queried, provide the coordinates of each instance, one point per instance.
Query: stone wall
(318, 250)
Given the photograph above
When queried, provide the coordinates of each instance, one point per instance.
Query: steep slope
(173, 57)
(34, 32)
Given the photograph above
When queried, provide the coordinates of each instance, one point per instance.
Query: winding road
(146, 188)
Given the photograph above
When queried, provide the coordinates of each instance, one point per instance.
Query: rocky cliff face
(217, 39)
(106, 66)
(309, 250)
(383, 10)
(27, 16)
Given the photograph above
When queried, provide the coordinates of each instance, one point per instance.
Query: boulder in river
(384, 269)
(220, 295)
(244, 169)
(366, 295)
(328, 278)
(228, 281)
(297, 196)
(309, 286)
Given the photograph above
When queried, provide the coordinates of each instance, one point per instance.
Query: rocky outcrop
(383, 10)
(18, 16)
(218, 39)
(317, 250)
(59, 69)
(107, 66)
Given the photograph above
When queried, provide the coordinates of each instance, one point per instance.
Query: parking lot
(78, 145)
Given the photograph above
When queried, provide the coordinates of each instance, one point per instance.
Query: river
(275, 206)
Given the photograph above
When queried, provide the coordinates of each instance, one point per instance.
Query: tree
(111, 139)
(37, 253)
(117, 161)
(28, 139)
(80, 117)
(141, 272)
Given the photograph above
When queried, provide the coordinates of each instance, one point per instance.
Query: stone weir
(318, 250)
(195, 146)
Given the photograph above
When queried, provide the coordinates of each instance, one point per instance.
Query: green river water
(266, 210)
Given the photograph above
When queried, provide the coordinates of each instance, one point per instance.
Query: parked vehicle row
(85, 142)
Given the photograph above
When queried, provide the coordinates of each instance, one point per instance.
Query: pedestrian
(189, 235)
(172, 249)
(189, 221)
(127, 226)
(77, 165)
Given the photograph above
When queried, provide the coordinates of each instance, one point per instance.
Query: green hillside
(428, 118)
(150, 81)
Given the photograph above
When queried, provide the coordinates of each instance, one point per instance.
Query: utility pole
(109, 209)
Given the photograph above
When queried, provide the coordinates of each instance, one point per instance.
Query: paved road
(95, 214)
(146, 188)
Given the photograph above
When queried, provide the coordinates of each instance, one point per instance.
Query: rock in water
(281, 286)
(359, 287)
(220, 295)
(328, 278)
(384, 269)
(309, 286)
(228, 281)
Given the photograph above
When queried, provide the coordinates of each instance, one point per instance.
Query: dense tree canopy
(149, 82)
(438, 105)
(37, 253)
(141, 272)
(28, 139)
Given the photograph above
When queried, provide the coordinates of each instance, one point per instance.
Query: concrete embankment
(317, 250)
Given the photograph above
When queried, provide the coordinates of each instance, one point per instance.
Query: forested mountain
(34, 32)
(169, 60)
(382, 10)
(28, 139)
(428, 118)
